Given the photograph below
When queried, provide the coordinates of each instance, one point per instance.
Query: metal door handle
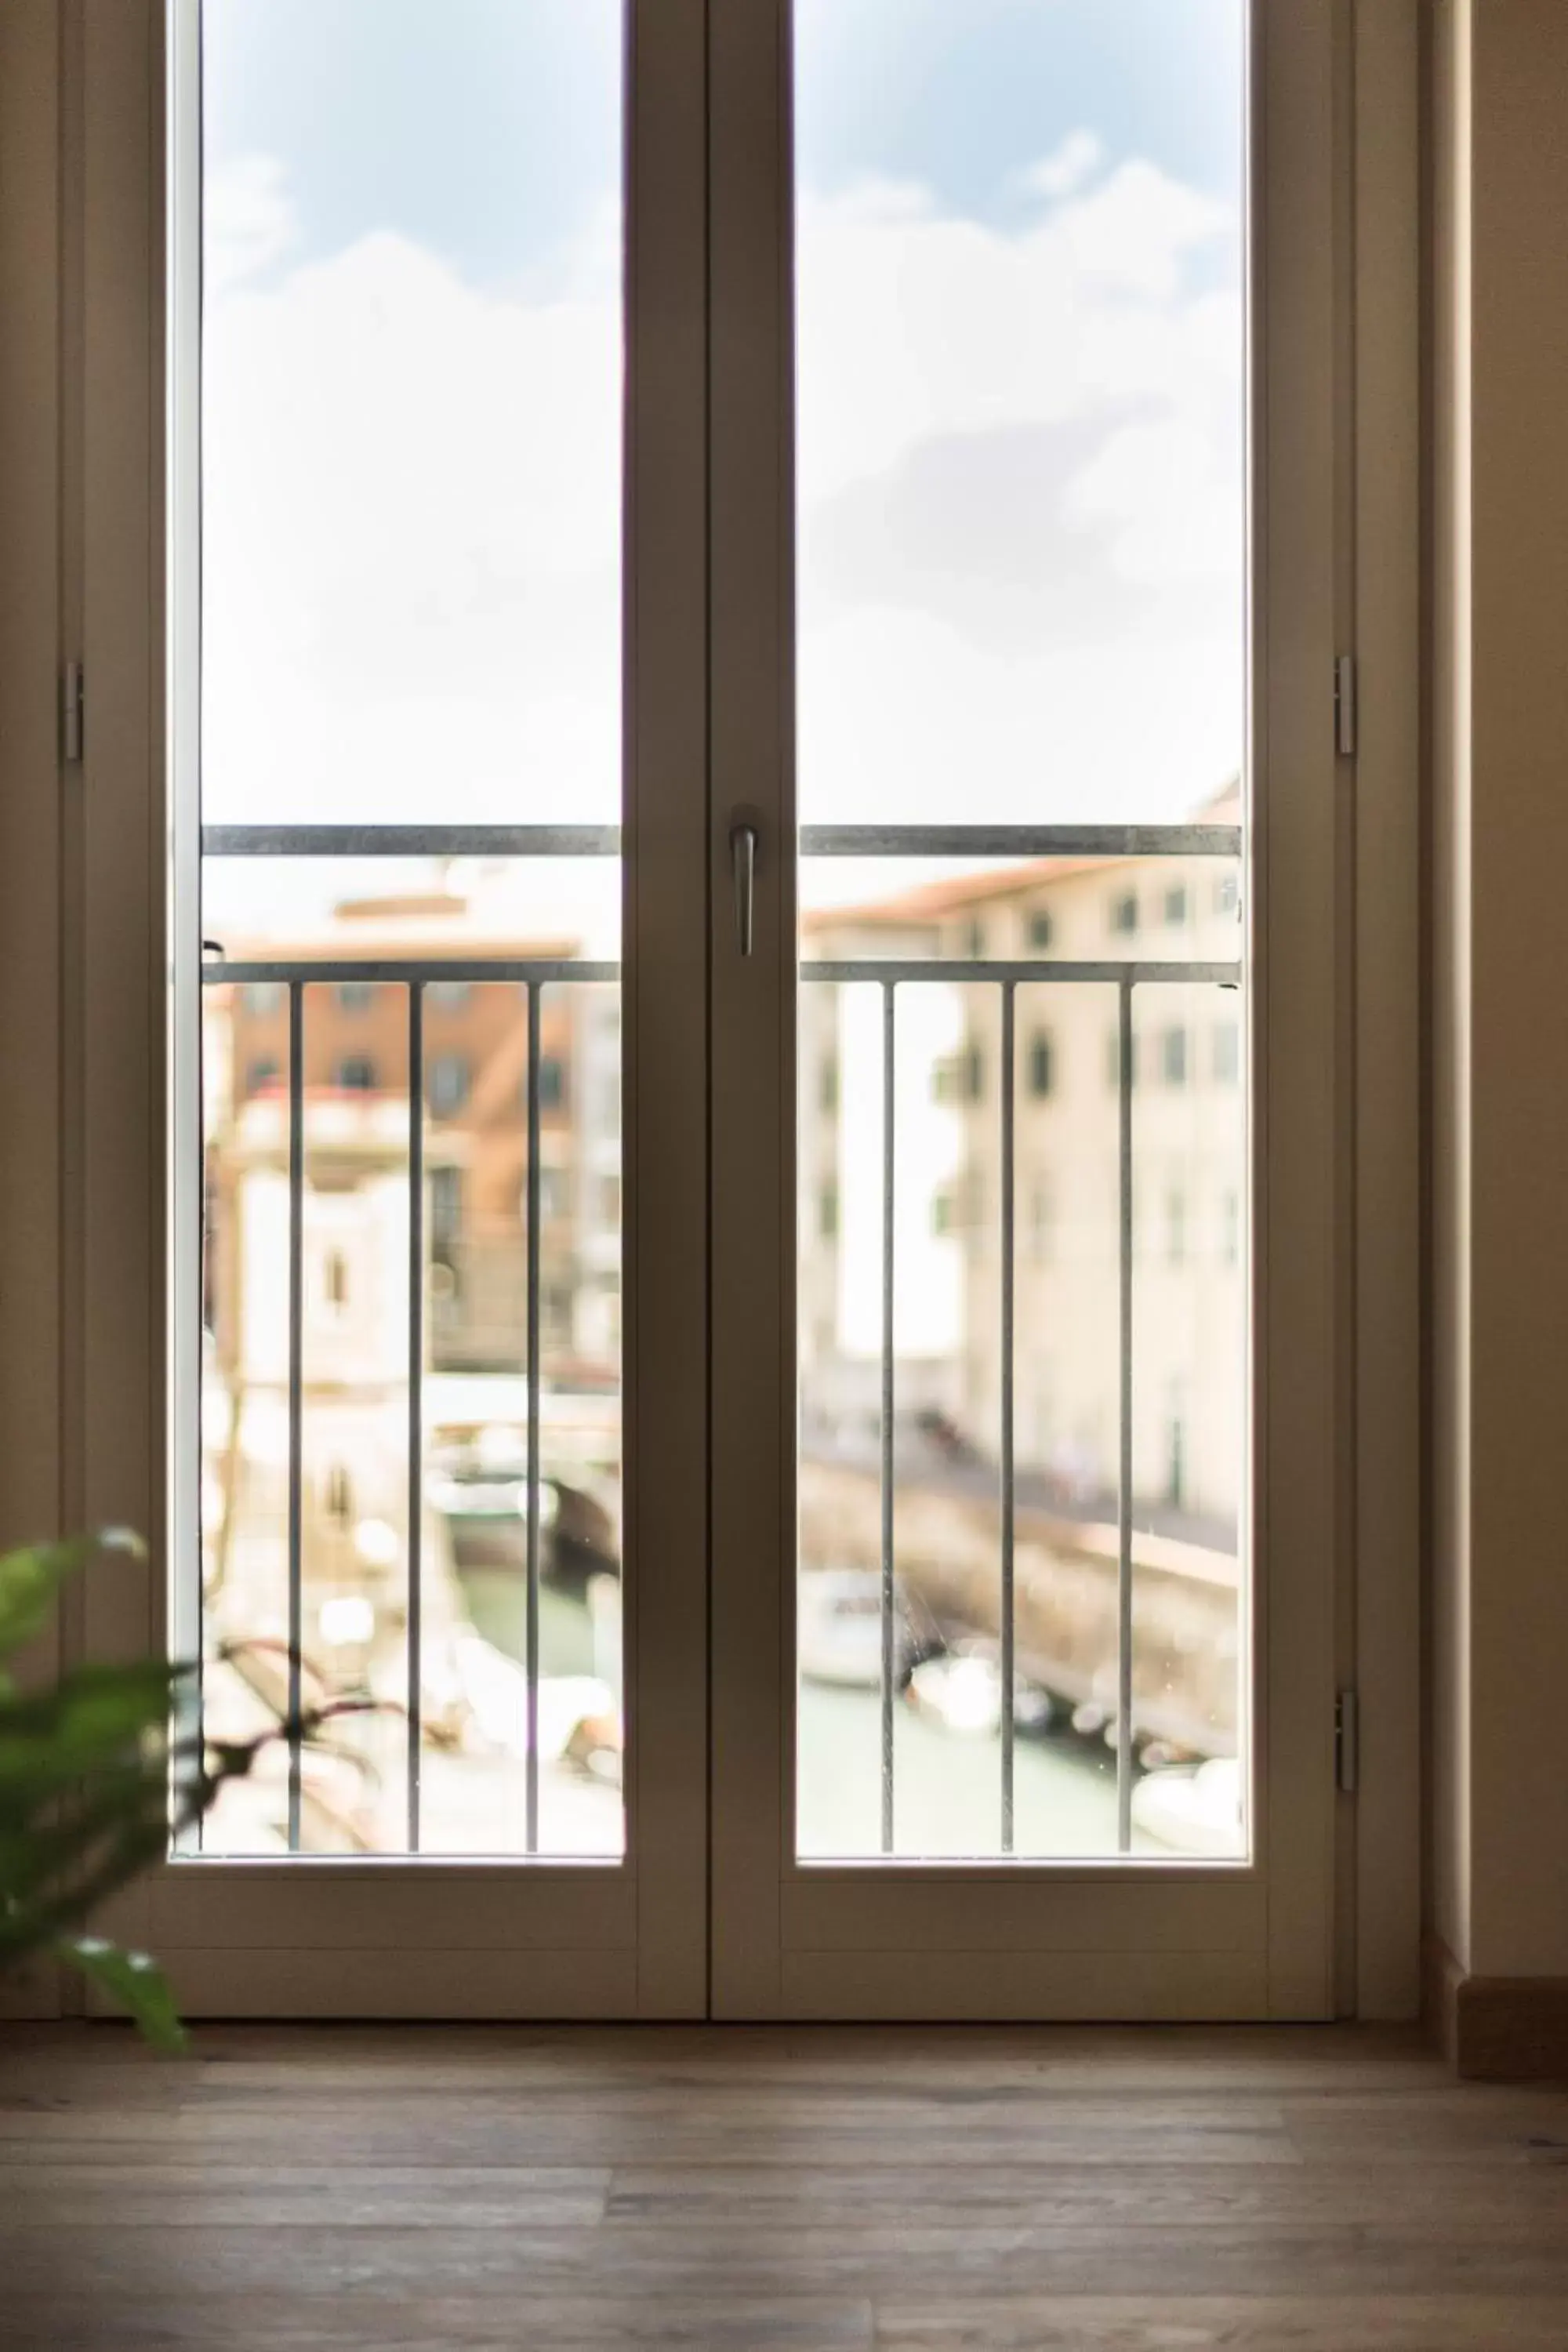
(743, 864)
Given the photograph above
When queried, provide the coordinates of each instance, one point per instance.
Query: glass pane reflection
(411, 524)
(1021, 603)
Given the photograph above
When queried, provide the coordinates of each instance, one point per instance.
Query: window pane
(1021, 573)
(410, 536)
(1020, 404)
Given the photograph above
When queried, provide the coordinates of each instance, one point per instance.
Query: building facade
(1189, 1180)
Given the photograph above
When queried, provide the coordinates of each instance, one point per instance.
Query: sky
(1019, 454)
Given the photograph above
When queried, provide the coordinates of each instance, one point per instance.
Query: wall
(1450, 332)
(32, 1359)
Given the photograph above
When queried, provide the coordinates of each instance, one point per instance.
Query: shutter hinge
(1347, 1743)
(1344, 706)
(73, 712)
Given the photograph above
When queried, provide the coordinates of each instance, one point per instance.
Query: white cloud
(1058, 631)
(411, 546)
(413, 514)
(248, 221)
(1174, 510)
(915, 322)
(1061, 173)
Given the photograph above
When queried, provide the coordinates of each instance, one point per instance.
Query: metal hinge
(73, 712)
(1347, 1743)
(1344, 706)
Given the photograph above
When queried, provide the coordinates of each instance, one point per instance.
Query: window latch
(73, 712)
(1344, 706)
(1347, 1743)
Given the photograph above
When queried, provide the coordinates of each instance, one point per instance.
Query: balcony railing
(1125, 974)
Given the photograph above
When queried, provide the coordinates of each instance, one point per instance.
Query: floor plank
(295, 2190)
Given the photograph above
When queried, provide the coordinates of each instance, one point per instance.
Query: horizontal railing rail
(879, 971)
(1017, 841)
(912, 971)
(530, 971)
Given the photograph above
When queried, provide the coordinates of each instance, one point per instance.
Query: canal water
(947, 1785)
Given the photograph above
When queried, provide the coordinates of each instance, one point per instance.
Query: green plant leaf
(54, 1873)
(95, 1716)
(30, 1578)
(98, 1772)
(137, 1983)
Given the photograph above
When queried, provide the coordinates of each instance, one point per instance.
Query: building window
(1230, 1229)
(827, 1212)
(448, 1085)
(552, 1082)
(1042, 1219)
(1114, 1058)
(1124, 912)
(447, 995)
(260, 996)
(1173, 1057)
(446, 1205)
(554, 1192)
(1176, 1228)
(1227, 1053)
(974, 940)
(355, 995)
(340, 1495)
(335, 1279)
(1042, 1064)
(1176, 1454)
(960, 1207)
(260, 1076)
(1226, 895)
(1042, 929)
(828, 1095)
(356, 1074)
(1176, 905)
(961, 1077)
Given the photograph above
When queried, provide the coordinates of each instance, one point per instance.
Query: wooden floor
(1316, 2189)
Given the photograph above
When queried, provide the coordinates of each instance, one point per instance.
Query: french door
(741, 784)
(1023, 1424)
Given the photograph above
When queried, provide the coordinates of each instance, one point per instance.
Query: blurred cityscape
(1186, 1396)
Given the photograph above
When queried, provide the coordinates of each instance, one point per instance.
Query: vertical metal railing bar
(1005, 1082)
(416, 1393)
(1125, 1479)
(887, 1460)
(531, 1640)
(296, 1394)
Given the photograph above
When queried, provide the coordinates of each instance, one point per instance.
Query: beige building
(1188, 1183)
(1189, 1158)
(356, 1044)
(840, 1185)
(354, 1276)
